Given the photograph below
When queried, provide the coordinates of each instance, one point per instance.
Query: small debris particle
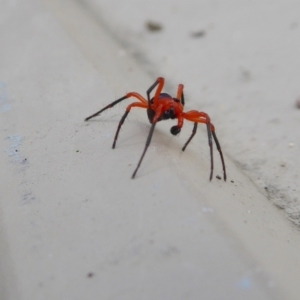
(90, 275)
(153, 26)
(245, 75)
(198, 34)
(77, 151)
(219, 177)
(298, 103)
(232, 181)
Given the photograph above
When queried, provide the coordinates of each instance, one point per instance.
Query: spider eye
(175, 130)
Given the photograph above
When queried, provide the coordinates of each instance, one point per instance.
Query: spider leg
(180, 94)
(211, 150)
(148, 141)
(182, 99)
(145, 149)
(190, 138)
(160, 81)
(134, 104)
(220, 151)
(132, 94)
(201, 117)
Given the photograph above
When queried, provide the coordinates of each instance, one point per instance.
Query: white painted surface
(244, 71)
(74, 225)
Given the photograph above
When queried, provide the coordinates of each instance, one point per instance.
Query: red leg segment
(161, 82)
(180, 91)
(180, 95)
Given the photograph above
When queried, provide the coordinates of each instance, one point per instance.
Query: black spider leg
(221, 154)
(145, 149)
(208, 126)
(106, 107)
(190, 138)
(151, 88)
(182, 99)
(119, 127)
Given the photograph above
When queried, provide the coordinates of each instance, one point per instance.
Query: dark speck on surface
(218, 177)
(153, 26)
(91, 274)
(298, 103)
(198, 34)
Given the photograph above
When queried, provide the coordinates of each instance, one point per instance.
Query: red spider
(162, 107)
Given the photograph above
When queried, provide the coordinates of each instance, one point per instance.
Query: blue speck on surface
(245, 283)
(5, 108)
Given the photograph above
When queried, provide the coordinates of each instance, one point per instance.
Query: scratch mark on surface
(27, 198)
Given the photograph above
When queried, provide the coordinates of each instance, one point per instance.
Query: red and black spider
(163, 107)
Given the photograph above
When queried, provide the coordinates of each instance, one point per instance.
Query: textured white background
(244, 72)
(73, 225)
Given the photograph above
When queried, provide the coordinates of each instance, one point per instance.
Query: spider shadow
(163, 143)
(167, 146)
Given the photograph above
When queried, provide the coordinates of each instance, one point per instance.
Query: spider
(163, 107)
